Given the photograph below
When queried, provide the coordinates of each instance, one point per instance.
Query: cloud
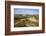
(25, 11)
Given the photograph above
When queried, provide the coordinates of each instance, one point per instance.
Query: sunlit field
(26, 20)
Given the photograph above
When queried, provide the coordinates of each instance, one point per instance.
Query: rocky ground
(26, 22)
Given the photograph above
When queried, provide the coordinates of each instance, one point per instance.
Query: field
(26, 20)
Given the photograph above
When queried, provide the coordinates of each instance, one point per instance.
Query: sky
(26, 11)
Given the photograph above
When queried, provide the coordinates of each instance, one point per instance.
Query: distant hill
(23, 16)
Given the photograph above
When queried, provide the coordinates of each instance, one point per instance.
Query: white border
(25, 28)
